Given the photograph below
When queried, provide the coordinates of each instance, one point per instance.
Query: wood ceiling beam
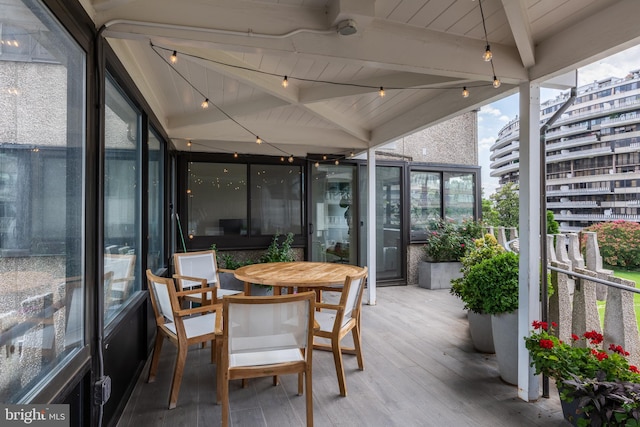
(516, 11)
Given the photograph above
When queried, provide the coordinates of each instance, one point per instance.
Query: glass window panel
(42, 150)
(121, 201)
(388, 222)
(217, 199)
(459, 196)
(155, 256)
(276, 205)
(426, 206)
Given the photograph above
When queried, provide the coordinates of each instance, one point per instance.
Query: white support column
(371, 226)
(529, 268)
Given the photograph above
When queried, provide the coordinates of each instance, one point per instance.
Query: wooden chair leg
(337, 359)
(358, 346)
(153, 369)
(177, 375)
(300, 385)
(219, 371)
(225, 399)
(309, 397)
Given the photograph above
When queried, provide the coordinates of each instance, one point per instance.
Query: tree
(507, 205)
(489, 214)
(552, 225)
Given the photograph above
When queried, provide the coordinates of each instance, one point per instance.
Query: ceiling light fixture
(258, 140)
(174, 57)
(496, 82)
(205, 103)
(487, 56)
(285, 82)
(291, 158)
(381, 92)
(465, 92)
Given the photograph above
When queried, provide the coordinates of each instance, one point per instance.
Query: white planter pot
(505, 341)
(481, 332)
(438, 275)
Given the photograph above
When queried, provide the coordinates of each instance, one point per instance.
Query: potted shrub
(583, 372)
(446, 245)
(493, 283)
(479, 321)
(276, 252)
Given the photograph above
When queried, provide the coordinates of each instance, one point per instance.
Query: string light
(317, 164)
(337, 162)
(205, 103)
(496, 82)
(291, 158)
(381, 92)
(282, 158)
(465, 92)
(285, 82)
(188, 191)
(487, 56)
(189, 143)
(174, 57)
(324, 157)
(352, 154)
(258, 140)
(235, 155)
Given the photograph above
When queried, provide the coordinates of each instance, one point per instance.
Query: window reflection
(121, 207)
(41, 198)
(155, 239)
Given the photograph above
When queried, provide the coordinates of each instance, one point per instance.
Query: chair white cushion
(197, 325)
(327, 318)
(265, 357)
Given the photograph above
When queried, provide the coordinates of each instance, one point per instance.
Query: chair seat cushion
(265, 357)
(225, 292)
(196, 325)
(326, 320)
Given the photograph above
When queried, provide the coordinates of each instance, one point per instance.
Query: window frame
(248, 242)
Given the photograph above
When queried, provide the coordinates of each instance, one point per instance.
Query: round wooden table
(301, 274)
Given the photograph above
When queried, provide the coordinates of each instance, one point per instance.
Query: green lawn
(630, 275)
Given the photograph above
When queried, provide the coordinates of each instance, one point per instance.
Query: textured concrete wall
(33, 104)
(453, 142)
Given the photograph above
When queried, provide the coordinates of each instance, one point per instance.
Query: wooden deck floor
(420, 370)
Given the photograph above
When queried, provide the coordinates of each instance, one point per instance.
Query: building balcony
(420, 370)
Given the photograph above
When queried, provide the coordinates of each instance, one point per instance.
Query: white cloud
(617, 65)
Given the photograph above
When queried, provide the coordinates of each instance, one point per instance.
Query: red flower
(546, 343)
(594, 337)
(554, 324)
(575, 337)
(618, 349)
(634, 368)
(601, 355)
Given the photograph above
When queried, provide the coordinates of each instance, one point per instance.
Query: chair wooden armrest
(226, 270)
(203, 282)
(209, 308)
(325, 305)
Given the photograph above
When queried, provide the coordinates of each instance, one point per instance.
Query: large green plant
(492, 285)
(448, 241)
(279, 252)
(482, 249)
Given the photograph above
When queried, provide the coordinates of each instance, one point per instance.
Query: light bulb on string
(496, 82)
(285, 82)
(337, 162)
(235, 155)
(381, 92)
(465, 92)
(317, 164)
(188, 191)
(282, 158)
(190, 236)
(487, 56)
(324, 157)
(174, 57)
(189, 143)
(351, 154)
(291, 158)
(258, 140)
(205, 103)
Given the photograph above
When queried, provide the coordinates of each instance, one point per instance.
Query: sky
(494, 116)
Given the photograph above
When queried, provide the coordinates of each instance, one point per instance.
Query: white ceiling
(429, 48)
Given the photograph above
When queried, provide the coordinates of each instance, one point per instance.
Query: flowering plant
(449, 241)
(562, 361)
